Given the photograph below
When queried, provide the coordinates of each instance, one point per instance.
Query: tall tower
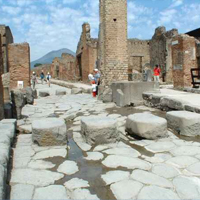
(113, 50)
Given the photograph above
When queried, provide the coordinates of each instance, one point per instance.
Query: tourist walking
(34, 79)
(94, 85)
(97, 77)
(48, 79)
(42, 77)
(157, 76)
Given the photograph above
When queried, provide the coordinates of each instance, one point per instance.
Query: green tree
(37, 64)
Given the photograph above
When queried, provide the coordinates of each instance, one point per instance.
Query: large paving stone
(182, 161)
(186, 151)
(76, 91)
(150, 179)
(115, 176)
(165, 171)
(99, 130)
(51, 192)
(83, 194)
(22, 192)
(44, 93)
(76, 183)
(95, 156)
(155, 192)
(184, 122)
(68, 167)
(114, 161)
(194, 169)
(40, 164)
(49, 132)
(146, 125)
(187, 187)
(127, 189)
(34, 177)
(61, 92)
(24, 151)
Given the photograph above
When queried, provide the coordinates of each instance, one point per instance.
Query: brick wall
(1, 85)
(19, 64)
(113, 41)
(183, 59)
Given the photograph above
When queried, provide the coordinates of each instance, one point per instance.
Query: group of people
(42, 77)
(95, 81)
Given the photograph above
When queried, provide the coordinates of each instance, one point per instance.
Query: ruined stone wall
(1, 85)
(86, 55)
(113, 32)
(45, 68)
(19, 64)
(184, 58)
(6, 38)
(139, 54)
(160, 51)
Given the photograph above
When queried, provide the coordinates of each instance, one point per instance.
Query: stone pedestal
(49, 132)
(99, 130)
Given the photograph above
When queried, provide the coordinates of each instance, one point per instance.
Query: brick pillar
(19, 64)
(1, 85)
(113, 41)
(183, 59)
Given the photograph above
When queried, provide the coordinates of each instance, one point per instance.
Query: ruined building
(1, 85)
(6, 38)
(113, 49)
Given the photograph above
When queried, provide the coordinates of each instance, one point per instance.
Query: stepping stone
(22, 192)
(99, 130)
(44, 93)
(76, 91)
(182, 161)
(51, 192)
(95, 156)
(127, 189)
(49, 132)
(114, 161)
(76, 183)
(187, 187)
(150, 179)
(61, 92)
(184, 122)
(34, 177)
(155, 192)
(146, 125)
(115, 176)
(165, 171)
(83, 194)
(68, 167)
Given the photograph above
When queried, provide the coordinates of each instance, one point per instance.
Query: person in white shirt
(48, 77)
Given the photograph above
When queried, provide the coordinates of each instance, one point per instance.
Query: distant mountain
(48, 58)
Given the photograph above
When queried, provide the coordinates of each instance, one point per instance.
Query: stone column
(183, 59)
(113, 41)
(1, 85)
(19, 64)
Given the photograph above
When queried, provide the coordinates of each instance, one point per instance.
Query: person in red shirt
(156, 73)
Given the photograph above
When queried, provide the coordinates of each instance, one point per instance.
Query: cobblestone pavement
(167, 168)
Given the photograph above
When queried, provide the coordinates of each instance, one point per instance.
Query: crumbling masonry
(1, 85)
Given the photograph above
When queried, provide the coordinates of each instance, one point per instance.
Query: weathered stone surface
(150, 178)
(127, 189)
(68, 167)
(155, 192)
(83, 194)
(182, 161)
(61, 92)
(40, 164)
(80, 142)
(160, 147)
(29, 95)
(186, 151)
(187, 187)
(114, 161)
(194, 169)
(99, 130)
(115, 176)
(44, 93)
(33, 177)
(2, 182)
(22, 192)
(184, 122)
(49, 132)
(24, 151)
(76, 183)
(146, 125)
(50, 154)
(51, 192)
(94, 156)
(21, 162)
(76, 91)
(165, 171)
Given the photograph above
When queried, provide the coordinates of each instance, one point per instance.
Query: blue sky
(53, 24)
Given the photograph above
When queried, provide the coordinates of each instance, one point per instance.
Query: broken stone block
(61, 92)
(184, 122)
(120, 98)
(99, 130)
(146, 125)
(49, 132)
(76, 91)
(44, 93)
(29, 95)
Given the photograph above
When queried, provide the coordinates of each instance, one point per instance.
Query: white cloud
(176, 3)
(11, 10)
